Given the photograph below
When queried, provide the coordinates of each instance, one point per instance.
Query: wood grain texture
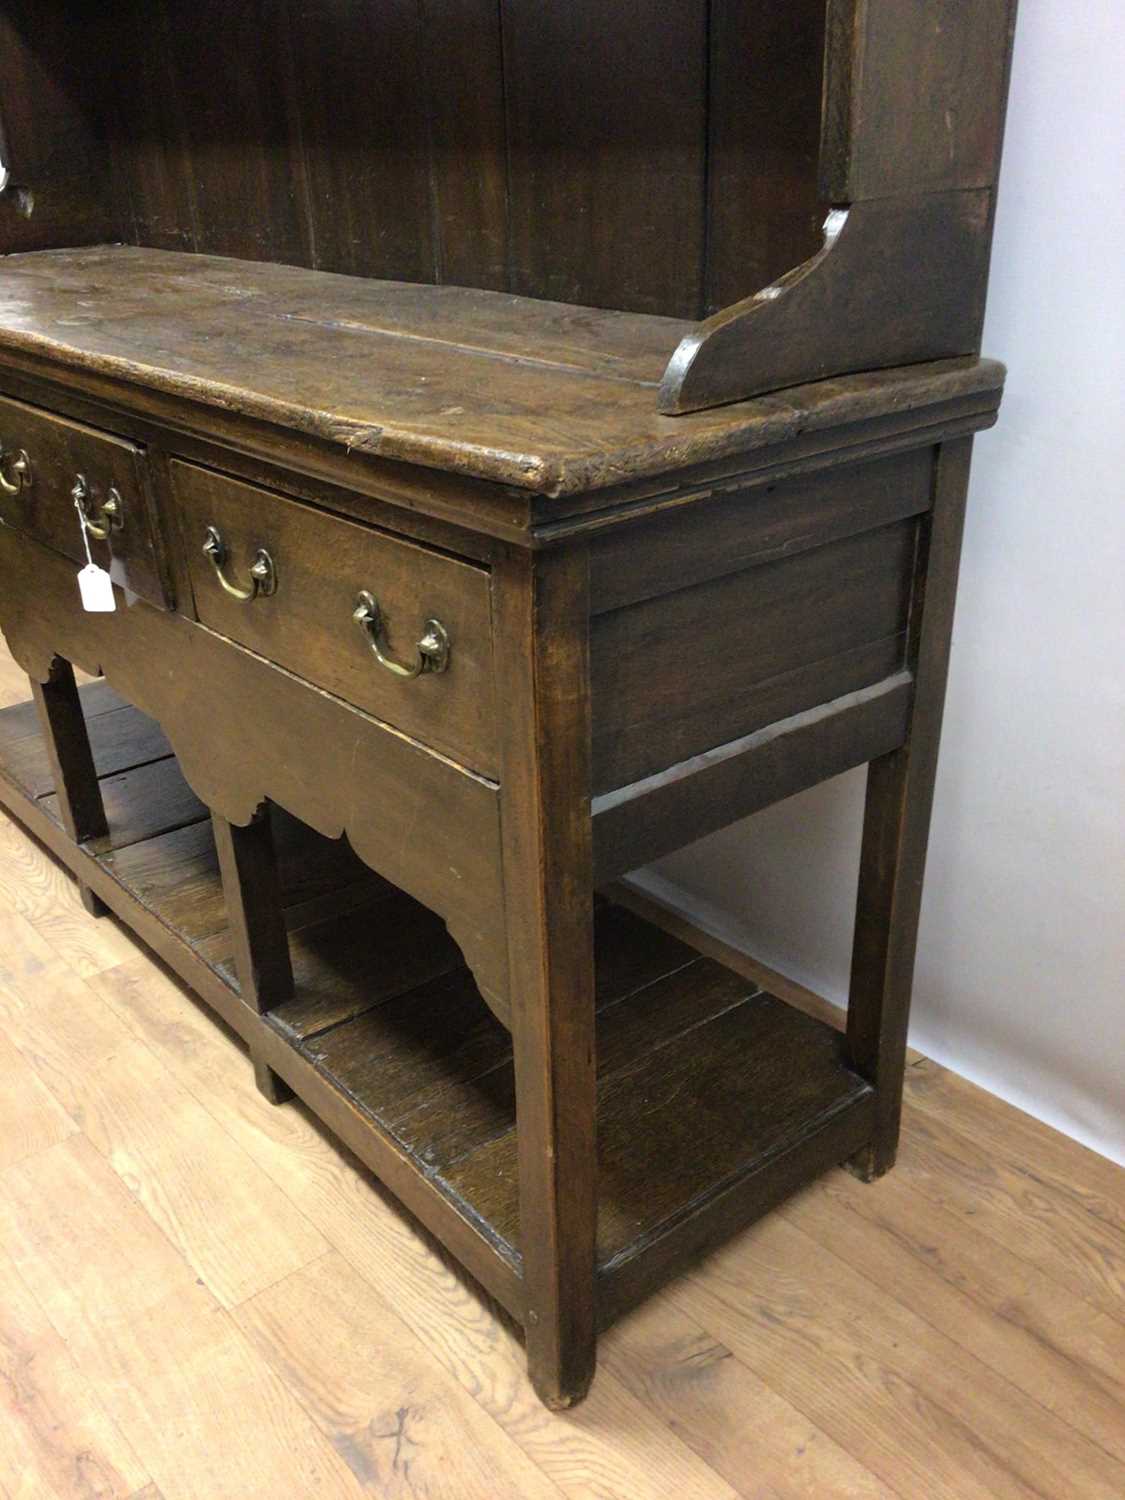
(606, 183)
(916, 96)
(670, 1408)
(355, 751)
(703, 666)
(56, 1439)
(898, 281)
(58, 453)
(764, 209)
(539, 395)
(323, 563)
(896, 821)
(154, 1342)
(908, 1400)
(543, 663)
(402, 1427)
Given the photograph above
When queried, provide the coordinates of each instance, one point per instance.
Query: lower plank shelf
(714, 1099)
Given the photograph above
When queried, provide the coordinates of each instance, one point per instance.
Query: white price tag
(96, 589)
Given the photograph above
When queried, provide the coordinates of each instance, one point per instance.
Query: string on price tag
(95, 587)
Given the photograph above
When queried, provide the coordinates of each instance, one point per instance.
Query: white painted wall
(1021, 966)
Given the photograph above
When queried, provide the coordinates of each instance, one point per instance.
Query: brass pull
(110, 515)
(14, 464)
(432, 648)
(263, 574)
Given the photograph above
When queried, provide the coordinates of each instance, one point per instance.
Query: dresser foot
(271, 1085)
(91, 902)
(872, 1162)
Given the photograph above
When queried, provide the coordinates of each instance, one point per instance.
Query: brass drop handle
(432, 648)
(263, 574)
(15, 470)
(110, 514)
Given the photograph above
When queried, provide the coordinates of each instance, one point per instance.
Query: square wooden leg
(248, 865)
(548, 874)
(270, 1084)
(900, 790)
(72, 764)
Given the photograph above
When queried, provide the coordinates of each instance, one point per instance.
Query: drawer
(43, 458)
(302, 615)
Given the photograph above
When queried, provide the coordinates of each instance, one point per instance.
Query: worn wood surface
(58, 452)
(898, 281)
(235, 752)
(543, 660)
(985, 1253)
(71, 768)
(542, 396)
(322, 564)
(896, 821)
(679, 674)
(916, 96)
(253, 906)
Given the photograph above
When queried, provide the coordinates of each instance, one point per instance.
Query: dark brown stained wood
(60, 193)
(58, 453)
(140, 804)
(675, 1248)
(760, 1077)
(409, 1044)
(463, 67)
(243, 730)
(66, 743)
(468, 1111)
(176, 876)
(391, 945)
(323, 563)
(120, 738)
(738, 528)
(245, 190)
(145, 126)
(467, 1094)
(764, 208)
(606, 192)
(687, 569)
(358, 136)
(899, 281)
(652, 818)
(542, 613)
(442, 1215)
(896, 823)
(252, 897)
(681, 674)
(543, 396)
(916, 96)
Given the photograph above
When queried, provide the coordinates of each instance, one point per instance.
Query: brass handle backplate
(15, 470)
(109, 516)
(432, 649)
(263, 574)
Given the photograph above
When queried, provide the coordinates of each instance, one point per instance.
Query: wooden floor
(201, 1296)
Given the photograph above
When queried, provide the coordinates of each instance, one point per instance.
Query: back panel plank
(464, 68)
(607, 180)
(677, 675)
(766, 64)
(354, 76)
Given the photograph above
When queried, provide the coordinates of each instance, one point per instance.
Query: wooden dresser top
(540, 395)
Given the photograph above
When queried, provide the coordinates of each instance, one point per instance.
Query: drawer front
(43, 458)
(302, 613)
